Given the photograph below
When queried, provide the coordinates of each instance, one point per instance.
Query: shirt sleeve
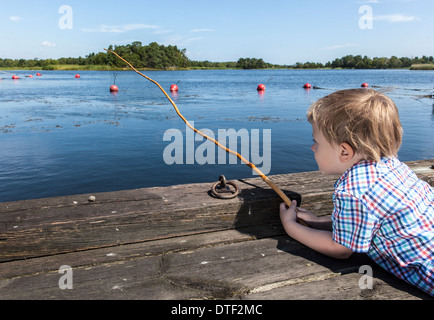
(353, 226)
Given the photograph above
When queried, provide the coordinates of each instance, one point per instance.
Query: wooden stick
(248, 163)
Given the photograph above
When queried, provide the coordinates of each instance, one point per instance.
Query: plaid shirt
(384, 210)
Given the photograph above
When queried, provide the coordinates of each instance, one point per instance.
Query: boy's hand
(288, 215)
(306, 216)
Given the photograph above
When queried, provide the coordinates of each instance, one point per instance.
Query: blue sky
(281, 32)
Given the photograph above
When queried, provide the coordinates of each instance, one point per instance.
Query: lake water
(62, 136)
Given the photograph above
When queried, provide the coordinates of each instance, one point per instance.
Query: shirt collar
(361, 163)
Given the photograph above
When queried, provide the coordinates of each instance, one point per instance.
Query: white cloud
(202, 30)
(15, 18)
(48, 44)
(396, 18)
(340, 46)
(162, 31)
(120, 29)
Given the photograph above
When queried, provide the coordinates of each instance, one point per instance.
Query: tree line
(359, 62)
(152, 56)
(346, 62)
(242, 63)
(155, 56)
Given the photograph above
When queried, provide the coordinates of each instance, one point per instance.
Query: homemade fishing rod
(248, 163)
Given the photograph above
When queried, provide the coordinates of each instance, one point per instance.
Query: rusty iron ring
(225, 191)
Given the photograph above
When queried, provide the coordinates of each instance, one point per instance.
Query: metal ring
(221, 189)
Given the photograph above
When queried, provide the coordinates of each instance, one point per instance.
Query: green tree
(394, 63)
(251, 63)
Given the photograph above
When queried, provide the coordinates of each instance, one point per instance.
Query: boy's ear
(346, 152)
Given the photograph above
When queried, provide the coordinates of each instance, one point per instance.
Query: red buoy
(15, 77)
(30, 76)
(114, 88)
(365, 85)
(77, 76)
(174, 87)
(38, 74)
(261, 87)
(307, 86)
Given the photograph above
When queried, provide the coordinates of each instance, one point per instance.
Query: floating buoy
(174, 87)
(30, 76)
(261, 87)
(77, 76)
(38, 74)
(365, 85)
(15, 77)
(307, 86)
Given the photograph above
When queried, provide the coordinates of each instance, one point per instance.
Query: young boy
(380, 206)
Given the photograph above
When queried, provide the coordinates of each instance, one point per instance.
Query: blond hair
(364, 118)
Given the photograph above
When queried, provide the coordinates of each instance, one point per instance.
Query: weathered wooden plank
(59, 225)
(118, 280)
(257, 269)
(51, 263)
(66, 228)
(212, 272)
(339, 287)
(266, 265)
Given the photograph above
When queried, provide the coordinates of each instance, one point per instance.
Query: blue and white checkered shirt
(385, 210)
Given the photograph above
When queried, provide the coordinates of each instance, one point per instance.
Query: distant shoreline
(107, 68)
(160, 57)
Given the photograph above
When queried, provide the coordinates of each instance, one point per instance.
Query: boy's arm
(322, 223)
(318, 240)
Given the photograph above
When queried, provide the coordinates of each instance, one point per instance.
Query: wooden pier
(181, 243)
